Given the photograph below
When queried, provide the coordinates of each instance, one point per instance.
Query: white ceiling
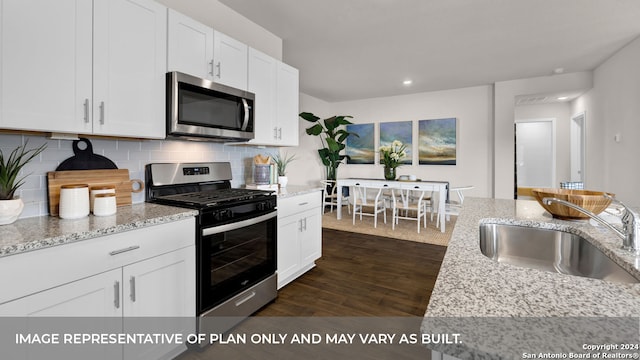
(355, 49)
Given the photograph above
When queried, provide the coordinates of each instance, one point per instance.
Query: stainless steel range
(235, 235)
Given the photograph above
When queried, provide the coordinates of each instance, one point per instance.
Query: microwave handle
(245, 121)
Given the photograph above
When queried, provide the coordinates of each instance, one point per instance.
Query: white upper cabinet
(262, 82)
(275, 85)
(287, 105)
(78, 66)
(130, 46)
(230, 61)
(190, 46)
(199, 50)
(45, 65)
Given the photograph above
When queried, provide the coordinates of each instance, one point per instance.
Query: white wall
(562, 113)
(504, 110)
(613, 107)
(307, 169)
(222, 18)
(127, 154)
(471, 106)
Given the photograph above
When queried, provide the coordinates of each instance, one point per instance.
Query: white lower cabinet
(299, 235)
(140, 281)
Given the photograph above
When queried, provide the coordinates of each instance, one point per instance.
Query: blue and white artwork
(360, 149)
(399, 130)
(437, 142)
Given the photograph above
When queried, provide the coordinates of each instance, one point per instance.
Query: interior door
(535, 153)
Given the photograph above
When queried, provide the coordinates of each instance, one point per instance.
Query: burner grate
(215, 197)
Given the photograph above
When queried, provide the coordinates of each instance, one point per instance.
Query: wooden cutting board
(116, 177)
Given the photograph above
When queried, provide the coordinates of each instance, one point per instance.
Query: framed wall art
(399, 130)
(360, 149)
(437, 142)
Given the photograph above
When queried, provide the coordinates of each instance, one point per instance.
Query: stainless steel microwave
(199, 109)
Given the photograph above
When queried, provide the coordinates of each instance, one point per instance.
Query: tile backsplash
(126, 154)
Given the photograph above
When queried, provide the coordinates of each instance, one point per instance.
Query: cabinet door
(130, 42)
(288, 248)
(287, 105)
(311, 237)
(85, 300)
(95, 296)
(45, 65)
(190, 46)
(230, 58)
(159, 297)
(262, 82)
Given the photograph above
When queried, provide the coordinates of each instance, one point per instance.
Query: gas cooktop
(214, 197)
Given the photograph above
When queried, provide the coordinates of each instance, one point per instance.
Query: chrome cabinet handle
(116, 294)
(86, 110)
(132, 287)
(219, 69)
(303, 203)
(279, 133)
(211, 63)
(305, 224)
(101, 112)
(275, 133)
(300, 225)
(120, 251)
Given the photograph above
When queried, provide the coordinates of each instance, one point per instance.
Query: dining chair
(453, 207)
(413, 203)
(330, 196)
(361, 201)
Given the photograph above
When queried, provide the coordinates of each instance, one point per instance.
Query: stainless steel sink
(549, 250)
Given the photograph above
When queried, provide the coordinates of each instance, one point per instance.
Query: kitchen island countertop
(45, 231)
(473, 286)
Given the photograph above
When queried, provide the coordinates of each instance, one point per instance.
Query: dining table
(440, 188)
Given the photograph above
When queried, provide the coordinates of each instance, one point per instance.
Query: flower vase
(389, 173)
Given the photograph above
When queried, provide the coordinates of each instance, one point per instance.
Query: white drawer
(38, 270)
(296, 204)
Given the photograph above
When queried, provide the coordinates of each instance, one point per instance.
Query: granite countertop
(294, 190)
(470, 285)
(45, 231)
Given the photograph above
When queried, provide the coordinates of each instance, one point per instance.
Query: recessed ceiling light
(558, 70)
(563, 98)
(407, 82)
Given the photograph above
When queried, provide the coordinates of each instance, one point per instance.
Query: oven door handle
(239, 224)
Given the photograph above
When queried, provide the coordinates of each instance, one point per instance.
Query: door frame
(581, 116)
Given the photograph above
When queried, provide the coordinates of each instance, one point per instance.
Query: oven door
(235, 256)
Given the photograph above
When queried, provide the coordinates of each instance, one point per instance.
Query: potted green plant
(281, 162)
(333, 138)
(10, 205)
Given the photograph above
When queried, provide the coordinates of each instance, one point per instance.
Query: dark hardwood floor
(358, 277)
(362, 275)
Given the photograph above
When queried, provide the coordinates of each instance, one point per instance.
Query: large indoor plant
(11, 206)
(333, 137)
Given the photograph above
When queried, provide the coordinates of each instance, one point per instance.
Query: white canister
(74, 201)
(104, 204)
(102, 189)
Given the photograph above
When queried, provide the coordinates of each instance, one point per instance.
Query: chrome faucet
(630, 232)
